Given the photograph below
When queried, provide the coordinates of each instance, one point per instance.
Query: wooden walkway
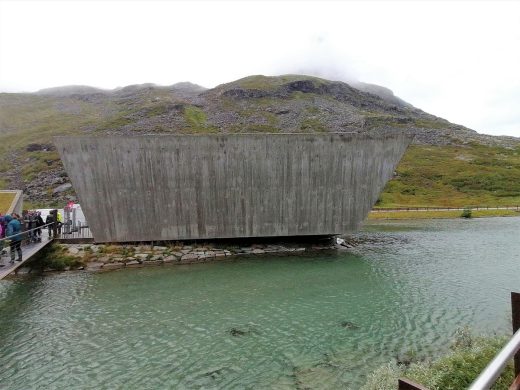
(28, 251)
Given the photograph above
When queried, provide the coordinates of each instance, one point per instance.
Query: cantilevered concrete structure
(175, 187)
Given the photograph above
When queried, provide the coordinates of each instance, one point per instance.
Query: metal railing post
(515, 312)
(54, 214)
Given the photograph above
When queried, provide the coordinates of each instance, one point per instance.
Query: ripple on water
(318, 322)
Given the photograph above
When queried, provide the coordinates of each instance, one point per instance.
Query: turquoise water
(321, 321)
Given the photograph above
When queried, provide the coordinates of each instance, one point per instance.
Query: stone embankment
(109, 257)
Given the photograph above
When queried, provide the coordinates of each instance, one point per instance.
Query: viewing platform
(28, 251)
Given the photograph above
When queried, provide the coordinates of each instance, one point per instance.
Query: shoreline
(439, 214)
(108, 257)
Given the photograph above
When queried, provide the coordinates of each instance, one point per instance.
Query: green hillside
(455, 176)
(6, 199)
(448, 164)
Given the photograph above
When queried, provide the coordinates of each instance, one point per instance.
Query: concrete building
(175, 187)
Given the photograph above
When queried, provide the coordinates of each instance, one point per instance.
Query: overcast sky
(456, 60)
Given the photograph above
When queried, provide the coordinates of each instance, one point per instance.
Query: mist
(457, 60)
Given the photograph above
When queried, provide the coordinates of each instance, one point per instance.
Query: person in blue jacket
(14, 229)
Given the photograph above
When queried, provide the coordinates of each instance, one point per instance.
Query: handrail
(21, 233)
(493, 370)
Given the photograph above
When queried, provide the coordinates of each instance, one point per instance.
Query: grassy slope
(5, 202)
(30, 118)
(455, 176)
(440, 214)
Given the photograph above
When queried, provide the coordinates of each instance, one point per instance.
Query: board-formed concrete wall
(174, 187)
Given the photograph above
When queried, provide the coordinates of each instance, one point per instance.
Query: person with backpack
(14, 230)
(39, 224)
(49, 220)
(59, 222)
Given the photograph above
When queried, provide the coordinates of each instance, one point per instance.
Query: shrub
(466, 213)
(55, 257)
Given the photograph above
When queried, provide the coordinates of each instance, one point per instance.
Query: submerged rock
(244, 331)
(349, 325)
(237, 332)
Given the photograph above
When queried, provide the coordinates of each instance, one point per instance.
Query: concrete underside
(188, 187)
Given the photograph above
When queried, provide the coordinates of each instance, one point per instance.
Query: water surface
(318, 321)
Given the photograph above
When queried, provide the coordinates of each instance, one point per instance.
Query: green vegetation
(455, 176)
(377, 120)
(313, 125)
(261, 129)
(6, 199)
(431, 124)
(466, 213)
(195, 117)
(115, 122)
(455, 371)
(158, 108)
(26, 118)
(267, 83)
(196, 121)
(39, 161)
(439, 214)
(258, 115)
(55, 257)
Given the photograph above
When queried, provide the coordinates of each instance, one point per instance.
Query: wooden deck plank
(28, 251)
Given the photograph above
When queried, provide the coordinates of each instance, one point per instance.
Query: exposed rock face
(61, 188)
(289, 104)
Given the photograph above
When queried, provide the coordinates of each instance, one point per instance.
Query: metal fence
(439, 208)
(69, 232)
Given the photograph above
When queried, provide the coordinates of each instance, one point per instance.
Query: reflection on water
(321, 321)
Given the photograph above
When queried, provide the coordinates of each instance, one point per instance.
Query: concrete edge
(17, 203)
(383, 135)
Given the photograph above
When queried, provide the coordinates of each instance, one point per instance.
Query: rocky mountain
(289, 103)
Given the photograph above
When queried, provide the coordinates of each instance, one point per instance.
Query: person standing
(49, 219)
(39, 224)
(14, 229)
(60, 222)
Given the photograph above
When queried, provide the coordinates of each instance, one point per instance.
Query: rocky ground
(100, 257)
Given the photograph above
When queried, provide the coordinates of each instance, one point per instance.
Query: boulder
(169, 259)
(189, 257)
(113, 265)
(61, 188)
(73, 250)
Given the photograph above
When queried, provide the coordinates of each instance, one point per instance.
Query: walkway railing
(494, 369)
(28, 240)
(75, 233)
(27, 237)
